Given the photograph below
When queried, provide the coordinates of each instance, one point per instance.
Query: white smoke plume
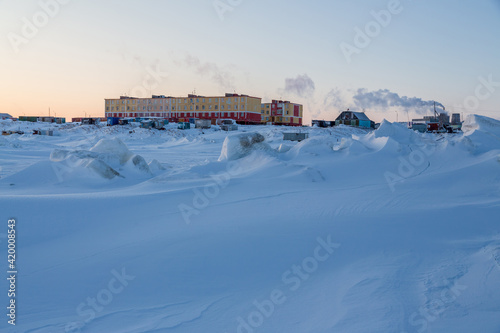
(302, 86)
(208, 69)
(383, 99)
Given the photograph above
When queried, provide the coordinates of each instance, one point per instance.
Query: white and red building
(282, 113)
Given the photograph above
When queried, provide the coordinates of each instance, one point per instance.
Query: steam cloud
(301, 86)
(218, 75)
(334, 99)
(383, 99)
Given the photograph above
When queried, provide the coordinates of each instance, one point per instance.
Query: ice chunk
(113, 148)
(101, 168)
(156, 166)
(239, 145)
(108, 158)
(140, 164)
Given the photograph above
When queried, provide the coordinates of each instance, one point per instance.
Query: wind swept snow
(128, 230)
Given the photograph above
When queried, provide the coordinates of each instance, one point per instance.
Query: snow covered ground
(121, 229)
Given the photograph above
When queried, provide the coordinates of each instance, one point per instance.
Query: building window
(216, 107)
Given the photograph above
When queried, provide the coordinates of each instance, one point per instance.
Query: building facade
(282, 113)
(242, 108)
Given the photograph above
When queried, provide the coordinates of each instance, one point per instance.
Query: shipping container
(147, 124)
(203, 123)
(112, 121)
(295, 136)
(184, 126)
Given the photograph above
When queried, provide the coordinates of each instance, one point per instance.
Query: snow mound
(481, 134)
(109, 158)
(352, 146)
(240, 145)
(313, 147)
(284, 148)
(398, 132)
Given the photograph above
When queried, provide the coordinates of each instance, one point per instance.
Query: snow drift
(109, 158)
(418, 255)
(481, 134)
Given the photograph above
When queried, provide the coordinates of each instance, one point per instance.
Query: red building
(282, 113)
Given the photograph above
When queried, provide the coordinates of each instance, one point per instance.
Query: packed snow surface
(123, 229)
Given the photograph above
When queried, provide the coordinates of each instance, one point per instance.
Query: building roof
(5, 115)
(359, 115)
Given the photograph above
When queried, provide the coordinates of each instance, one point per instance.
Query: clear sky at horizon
(86, 51)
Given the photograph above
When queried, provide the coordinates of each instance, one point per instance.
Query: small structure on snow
(203, 123)
(357, 119)
(295, 136)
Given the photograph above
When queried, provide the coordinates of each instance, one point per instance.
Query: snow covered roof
(359, 115)
(5, 115)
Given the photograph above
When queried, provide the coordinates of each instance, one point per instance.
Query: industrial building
(439, 122)
(282, 113)
(242, 108)
(34, 119)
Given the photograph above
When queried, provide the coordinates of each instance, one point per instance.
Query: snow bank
(481, 134)
(398, 132)
(240, 145)
(109, 158)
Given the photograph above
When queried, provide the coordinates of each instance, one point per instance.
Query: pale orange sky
(87, 51)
